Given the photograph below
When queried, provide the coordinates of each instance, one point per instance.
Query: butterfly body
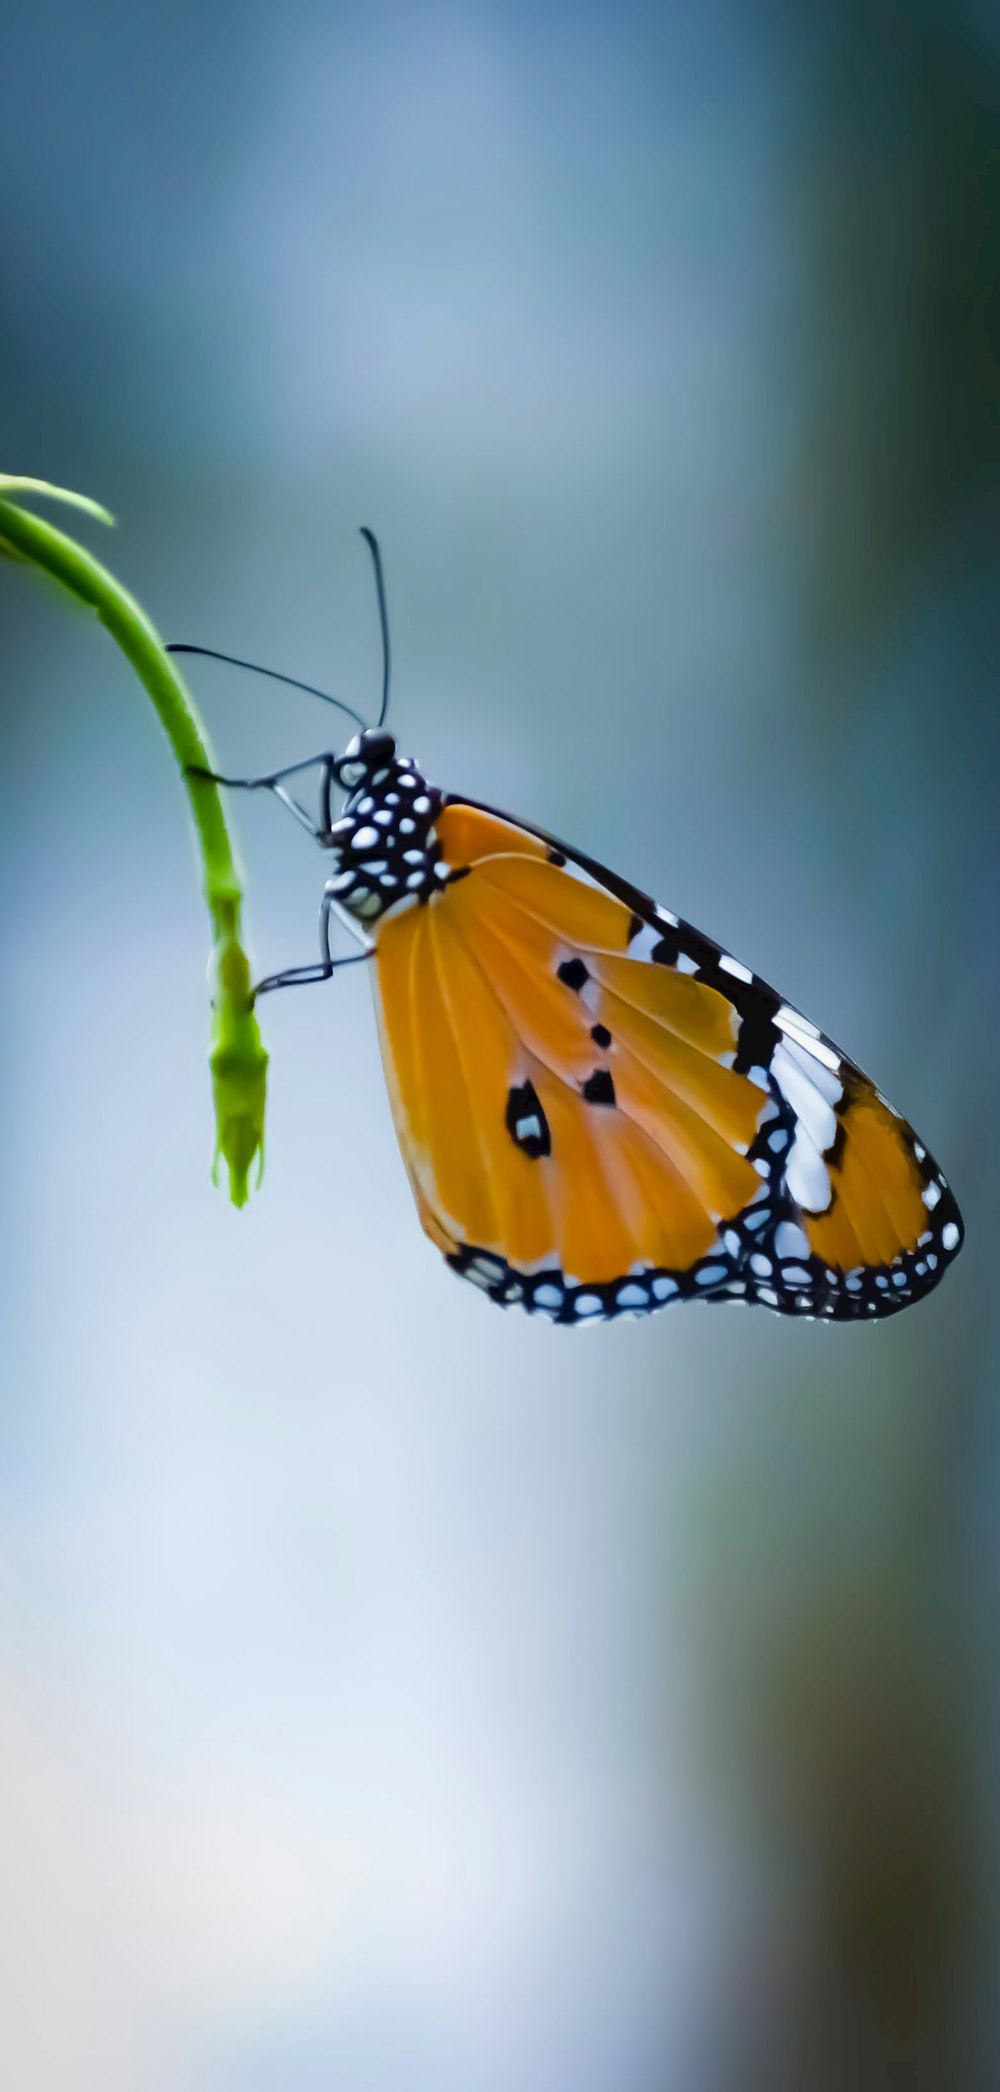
(384, 842)
(601, 1111)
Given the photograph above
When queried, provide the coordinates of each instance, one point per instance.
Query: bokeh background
(394, 1693)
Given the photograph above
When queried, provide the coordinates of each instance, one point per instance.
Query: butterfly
(599, 1109)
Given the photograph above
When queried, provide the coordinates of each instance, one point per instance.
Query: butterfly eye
(377, 746)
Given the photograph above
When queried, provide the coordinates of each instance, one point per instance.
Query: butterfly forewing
(600, 1111)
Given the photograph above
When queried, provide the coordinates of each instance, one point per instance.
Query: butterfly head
(365, 758)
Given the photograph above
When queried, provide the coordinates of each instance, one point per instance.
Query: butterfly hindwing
(601, 1111)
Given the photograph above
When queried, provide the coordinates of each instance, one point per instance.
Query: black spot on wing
(526, 1121)
(600, 1035)
(834, 1156)
(758, 1034)
(599, 1088)
(667, 950)
(555, 856)
(573, 974)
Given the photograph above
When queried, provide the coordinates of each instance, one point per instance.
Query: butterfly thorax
(384, 840)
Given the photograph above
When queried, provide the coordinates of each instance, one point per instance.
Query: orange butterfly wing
(600, 1111)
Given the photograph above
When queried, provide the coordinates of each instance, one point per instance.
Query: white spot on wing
(822, 1078)
(685, 963)
(801, 1091)
(806, 1174)
(643, 944)
(590, 995)
(949, 1235)
(790, 1240)
(806, 1036)
(931, 1195)
(733, 966)
(788, 1019)
(492, 1266)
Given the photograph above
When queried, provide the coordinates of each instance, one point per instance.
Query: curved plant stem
(238, 1059)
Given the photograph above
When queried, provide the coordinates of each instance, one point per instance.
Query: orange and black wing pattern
(601, 1112)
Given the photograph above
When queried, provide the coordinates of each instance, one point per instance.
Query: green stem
(238, 1059)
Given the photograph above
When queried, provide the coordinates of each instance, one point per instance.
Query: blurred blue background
(395, 1693)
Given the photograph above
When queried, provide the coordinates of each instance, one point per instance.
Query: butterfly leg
(301, 976)
(274, 782)
(326, 966)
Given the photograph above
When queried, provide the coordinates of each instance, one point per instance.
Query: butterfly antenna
(383, 616)
(210, 654)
